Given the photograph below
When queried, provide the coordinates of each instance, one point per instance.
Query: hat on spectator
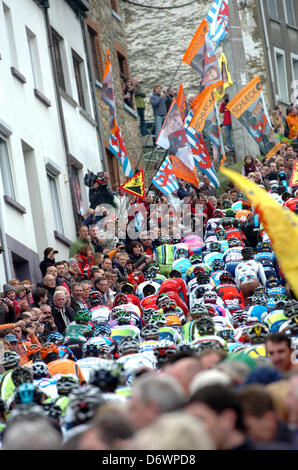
(7, 288)
(10, 337)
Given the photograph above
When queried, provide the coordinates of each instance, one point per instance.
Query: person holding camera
(48, 260)
(227, 122)
(158, 101)
(99, 192)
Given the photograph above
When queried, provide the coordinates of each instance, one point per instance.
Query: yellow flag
(226, 78)
(281, 225)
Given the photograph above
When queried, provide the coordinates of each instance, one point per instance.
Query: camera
(56, 252)
(28, 325)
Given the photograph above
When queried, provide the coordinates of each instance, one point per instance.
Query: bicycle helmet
(173, 320)
(265, 246)
(272, 281)
(128, 345)
(147, 313)
(226, 333)
(185, 346)
(226, 222)
(150, 274)
(226, 204)
(20, 375)
(102, 329)
(162, 300)
(215, 247)
(164, 349)
(202, 344)
(202, 278)
(212, 312)
(218, 265)
(164, 239)
(230, 213)
(121, 299)
(175, 273)
(210, 297)
(66, 383)
(150, 332)
(84, 402)
(257, 333)
(293, 324)
(10, 359)
(158, 319)
(107, 375)
(153, 266)
(233, 241)
(198, 310)
(127, 288)
(221, 234)
(32, 350)
(82, 316)
(195, 259)
(47, 349)
(240, 318)
(247, 252)
(181, 253)
(149, 289)
(259, 298)
(40, 370)
(218, 214)
(205, 326)
(291, 308)
(55, 337)
(25, 393)
(200, 290)
(226, 278)
(90, 350)
(122, 317)
(95, 298)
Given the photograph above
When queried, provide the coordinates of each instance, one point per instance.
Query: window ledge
(87, 116)
(290, 26)
(68, 98)
(116, 16)
(42, 97)
(275, 20)
(130, 110)
(59, 236)
(16, 205)
(18, 75)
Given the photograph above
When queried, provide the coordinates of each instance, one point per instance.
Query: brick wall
(111, 35)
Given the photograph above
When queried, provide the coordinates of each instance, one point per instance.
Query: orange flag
(196, 44)
(181, 102)
(182, 171)
(202, 105)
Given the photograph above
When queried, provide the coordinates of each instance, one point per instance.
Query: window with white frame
(6, 174)
(290, 12)
(34, 59)
(10, 35)
(81, 81)
(281, 74)
(272, 9)
(52, 180)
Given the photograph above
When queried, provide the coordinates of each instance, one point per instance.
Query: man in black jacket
(62, 314)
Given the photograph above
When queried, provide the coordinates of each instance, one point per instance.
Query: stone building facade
(106, 31)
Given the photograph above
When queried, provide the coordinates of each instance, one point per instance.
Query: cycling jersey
(248, 270)
(65, 366)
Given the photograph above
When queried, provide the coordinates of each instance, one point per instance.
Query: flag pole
(223, 152)
(174, 76)
(164, 157)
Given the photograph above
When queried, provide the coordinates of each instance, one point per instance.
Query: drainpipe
(60, 112)
(4, 245)
(273, 90)
(102, 151)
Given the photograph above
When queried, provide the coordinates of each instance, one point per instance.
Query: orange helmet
(33, 349)
(173, 320)
(47, 349)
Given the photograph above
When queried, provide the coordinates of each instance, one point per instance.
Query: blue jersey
(269, 262)
(257, 311)
(210, 257)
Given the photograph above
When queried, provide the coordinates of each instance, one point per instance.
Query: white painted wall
(39, 126)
